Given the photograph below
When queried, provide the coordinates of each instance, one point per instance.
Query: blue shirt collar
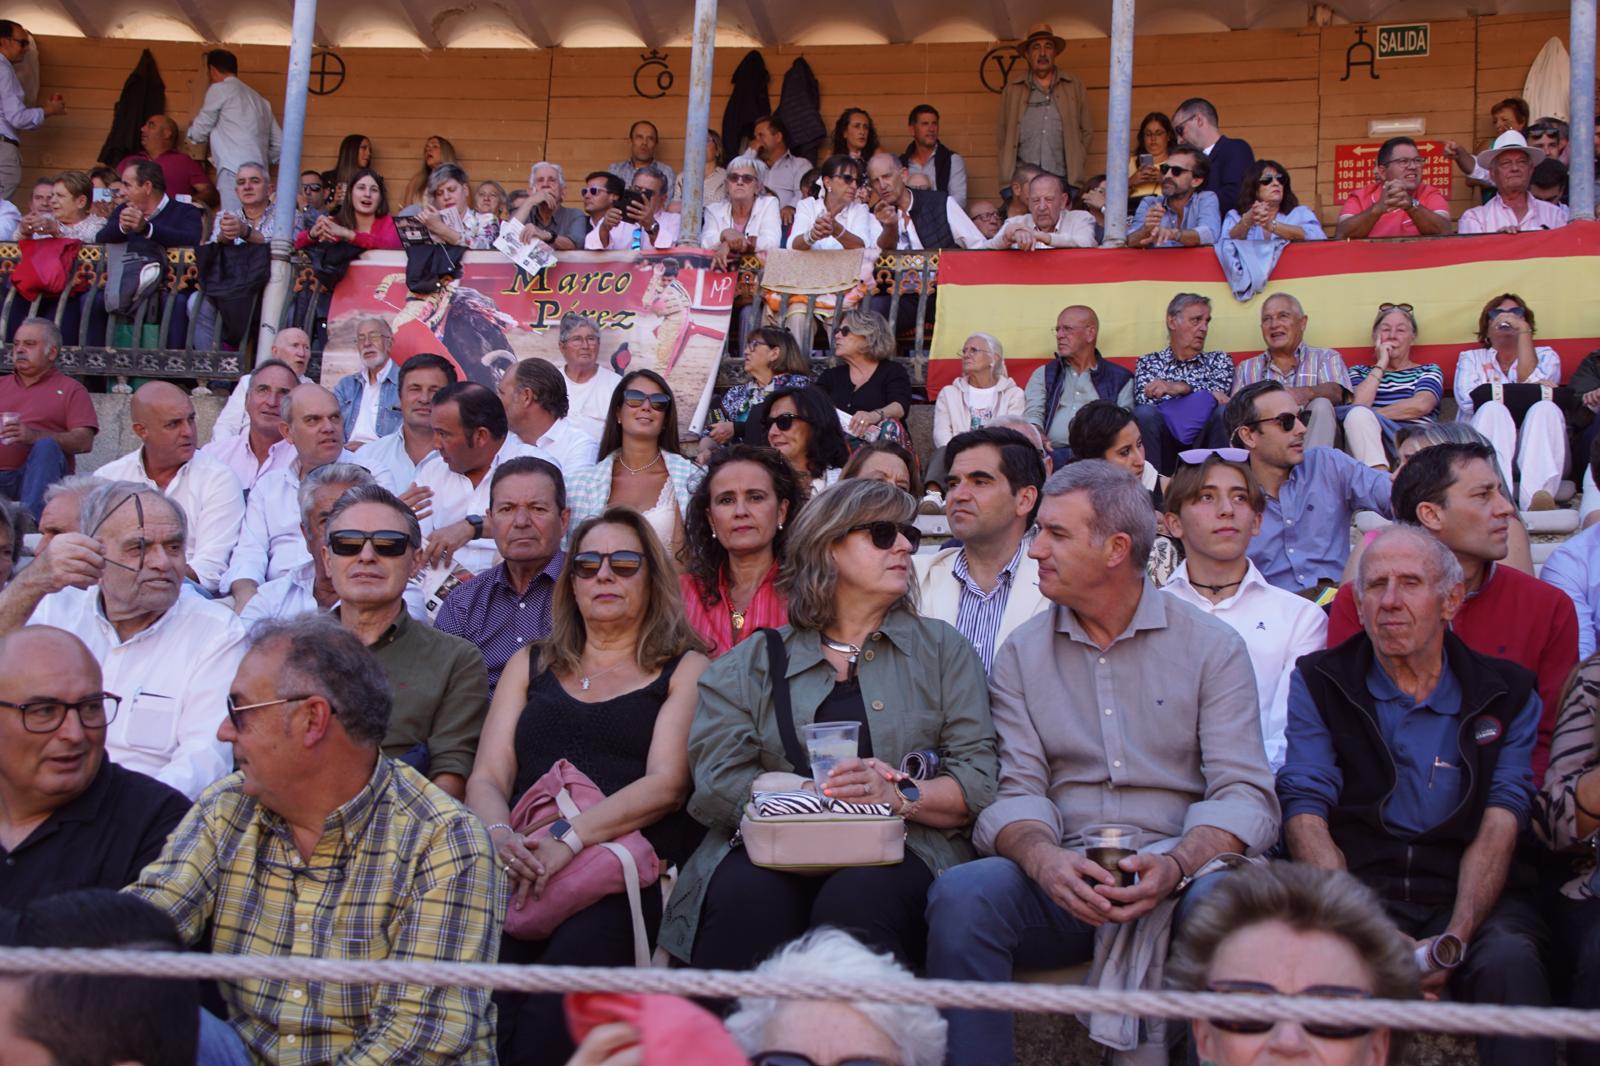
(1444, 699)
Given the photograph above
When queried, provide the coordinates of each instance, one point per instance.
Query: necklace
(590, 677)
(1214, 588)
(642, 469)
(737, 615)
(852, 650)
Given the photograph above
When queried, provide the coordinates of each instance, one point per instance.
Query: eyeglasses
(1175, 171)
(646, 193)
(331, 874)
(1196, 456)
(1319, 1029)
(985, 216)
(45, 716)
(1403, 161)
(235, 710)
(884, 533)
(389, 543)
(794, 1058)
(1270, 179)
(586, 565)
(1286, 420)
(785, 422)
(1386, 308)
(636, 398)
(593, 190)
(853, 179)
(741, 179)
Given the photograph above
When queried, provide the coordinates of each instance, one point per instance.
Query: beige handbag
(786, 827)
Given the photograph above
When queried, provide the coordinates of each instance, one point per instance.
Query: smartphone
(1146, 159)
(627, 199)
(102, 196)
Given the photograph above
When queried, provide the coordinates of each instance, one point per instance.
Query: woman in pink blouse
(362, 219)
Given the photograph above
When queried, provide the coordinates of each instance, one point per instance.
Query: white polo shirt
(455, 497)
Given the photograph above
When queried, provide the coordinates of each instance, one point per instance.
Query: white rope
(1554, 1023)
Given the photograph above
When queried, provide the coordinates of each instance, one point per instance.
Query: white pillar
(296, 91)
(1119, 118)
(694, 134)
(1580, 112)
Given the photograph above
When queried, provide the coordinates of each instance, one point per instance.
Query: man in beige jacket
(1030, 131)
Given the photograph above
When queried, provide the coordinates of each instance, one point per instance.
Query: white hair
(545, 164)
(919, 1032)
(992, 342)
(749, 162)
(1446, 567)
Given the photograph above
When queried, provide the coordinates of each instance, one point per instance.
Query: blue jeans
(219, 1044)
(46, 464)
(1161, 448)
(987, 919)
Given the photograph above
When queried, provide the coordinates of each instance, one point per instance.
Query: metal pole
(694, 135)
(295, 94)
(1580, 113)
(1119, 116)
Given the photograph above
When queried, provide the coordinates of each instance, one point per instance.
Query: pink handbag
(627, 864)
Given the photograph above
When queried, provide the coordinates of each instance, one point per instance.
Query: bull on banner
(663, 311)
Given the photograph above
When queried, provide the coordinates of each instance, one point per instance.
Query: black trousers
(532, 1026)
(750, 912)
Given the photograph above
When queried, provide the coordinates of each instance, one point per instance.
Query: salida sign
(1403, 42)
(1352, 167)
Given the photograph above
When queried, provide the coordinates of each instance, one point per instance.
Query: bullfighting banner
(1016, 296)
(663, 311)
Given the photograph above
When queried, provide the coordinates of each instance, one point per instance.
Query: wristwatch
(562, 830)
(910, 796)
(476, 522)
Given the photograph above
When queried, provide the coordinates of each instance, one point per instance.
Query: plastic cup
(827, 745)
(1108, 844)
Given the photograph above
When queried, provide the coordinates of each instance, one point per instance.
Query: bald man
(270, 543)
(210, 495)
(291, 346)
(185, 175)
(69, 817)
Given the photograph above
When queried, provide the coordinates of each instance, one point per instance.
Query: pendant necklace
(590, 677)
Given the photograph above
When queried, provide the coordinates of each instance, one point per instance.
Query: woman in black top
(612, 691)
(868, 384)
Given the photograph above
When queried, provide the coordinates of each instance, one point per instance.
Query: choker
(1215, 588)
(852, 650)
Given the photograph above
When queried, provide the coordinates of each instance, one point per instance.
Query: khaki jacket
(1077, 126)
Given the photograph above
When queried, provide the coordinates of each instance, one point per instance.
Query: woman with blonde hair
(868, 383)
(436, 151)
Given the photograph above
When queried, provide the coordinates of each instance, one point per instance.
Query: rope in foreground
(1469, 1018)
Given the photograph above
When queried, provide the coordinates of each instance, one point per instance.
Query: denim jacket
(347, 390)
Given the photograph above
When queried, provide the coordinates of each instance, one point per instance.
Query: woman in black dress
(868, 384)
(612, 691)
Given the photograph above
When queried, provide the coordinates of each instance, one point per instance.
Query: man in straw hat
(1513, 210)
(1056, 137)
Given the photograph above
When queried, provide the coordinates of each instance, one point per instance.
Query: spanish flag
(1015, 296)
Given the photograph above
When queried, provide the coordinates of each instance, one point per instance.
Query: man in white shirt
(1513, 209)
(369, 400)
(784, 171)
(208, 492)
(170, 657)
(534, 394)
(1049, 223)
(291, 346)
(645, 224)
(236, 121)
(270, 542)
(1214, 506)
(944, 224)
(15, 115)
(393, 459)
(589, 384)
(469, 426)
(261, 450)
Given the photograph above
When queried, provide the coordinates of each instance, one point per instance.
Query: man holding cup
(1097, 726)
(46, 417)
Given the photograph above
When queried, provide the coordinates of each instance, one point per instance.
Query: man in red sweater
(1453, 491)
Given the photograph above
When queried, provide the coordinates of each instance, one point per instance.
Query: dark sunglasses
(1270, 179)
(1385, 308)
(45, 716)
(794, 1058)
(1520, 312)
(389, 543)
(1196, 456)
(742, 179)
(310, 188)
(635, 398)
(1286, 420)
(785, 422)
(623, 564)
(884, 533)
(1319, 1029)
(1175, 171)
(853, 179)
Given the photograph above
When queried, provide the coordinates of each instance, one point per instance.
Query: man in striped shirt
(1315, 377)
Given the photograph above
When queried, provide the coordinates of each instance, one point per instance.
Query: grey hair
(253, 165)
(447, 172)
(1186, 299)
(810, 579)
(1119, 504)
(372, 492)
(325, 659)
(109, 495)
(1446, 567)
(330, 474)
(75, 485)
(656, 172)
(11, 520)
(919, 1032)
(1393, 309)
(52, 332)
(379, 319)
(995, 349)
(872, 326)
(1294, 302)
(545, 164)
(572, 322)
(751, 163)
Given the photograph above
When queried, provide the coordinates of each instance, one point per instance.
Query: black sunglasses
(1386, 308)
(624, 563)
(1286, 420)
(853, 179)
(1270, 179)
(389, 543)
(1258, 1025)
(1174, 170)
(45, 716)
(785, 422)
(635, 398)
(794, 1058)
(1518, 311)
(310, 188)
(884, 533)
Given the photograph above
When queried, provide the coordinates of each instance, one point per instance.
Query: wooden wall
(1279, 89)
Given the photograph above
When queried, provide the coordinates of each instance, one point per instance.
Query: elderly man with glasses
(15, 115)
(1398, 203)
(369, 399)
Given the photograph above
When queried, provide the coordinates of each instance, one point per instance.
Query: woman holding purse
(856, 651)
(612, 691)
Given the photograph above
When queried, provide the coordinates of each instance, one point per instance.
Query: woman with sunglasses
(1528, 437)
(611, 691)
(733, 544)
(868, 383)
(749, 220)
(1391, 393)
(804, 428)
(1289, 929)
(855, 650)
(641, 465)
(835, 219)
(1268, 208)
(772, 361)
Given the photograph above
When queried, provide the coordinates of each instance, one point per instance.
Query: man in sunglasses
(601, 189)
(1312, 493)
(1398, 203)
(1184, 215)
(1196, 123)
(1409, 766)
(116, 587)
(15, 115)
(70, 818)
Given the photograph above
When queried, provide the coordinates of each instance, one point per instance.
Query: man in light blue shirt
(15, 115)
(1311, 492)
(1574, 568)
(1184, 215)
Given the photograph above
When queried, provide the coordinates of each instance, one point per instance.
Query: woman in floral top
(449, 215)
(774, 361)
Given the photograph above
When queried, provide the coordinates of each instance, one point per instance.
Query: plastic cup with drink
(10, 423)
(1108, 844)
(827, 745)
